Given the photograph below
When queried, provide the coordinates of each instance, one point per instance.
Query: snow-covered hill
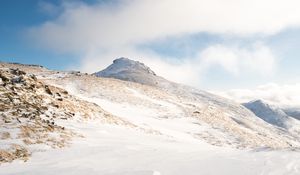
(273, 115)
(139, 119)
(168, 108)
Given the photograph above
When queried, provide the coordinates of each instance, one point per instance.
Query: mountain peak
(122, 59)
(258, 102)
(130, 70)
(123, 64)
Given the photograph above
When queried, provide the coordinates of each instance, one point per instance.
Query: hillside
(203, 116)
(103, 118)
(36, 116)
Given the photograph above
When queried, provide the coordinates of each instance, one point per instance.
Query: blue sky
(15, 17)
(192, 42)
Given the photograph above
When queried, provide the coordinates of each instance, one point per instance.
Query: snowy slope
(33, 115)
(110, 150)
(172, 109)
(159, 127)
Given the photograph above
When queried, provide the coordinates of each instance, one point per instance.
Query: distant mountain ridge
(293, 112)
(268, 113)
(275, 115)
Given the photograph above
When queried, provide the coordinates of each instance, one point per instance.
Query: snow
(113, 150)
(175, 127)
(179, 112)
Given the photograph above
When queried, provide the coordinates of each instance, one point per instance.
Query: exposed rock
(30, 108)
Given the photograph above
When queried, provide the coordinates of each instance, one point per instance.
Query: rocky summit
(130, 70)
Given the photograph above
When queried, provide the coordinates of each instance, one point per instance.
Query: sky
(226, 47)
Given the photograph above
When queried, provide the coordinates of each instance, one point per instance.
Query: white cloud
(258, 58)
(281, 95)
(221, 55)
(102, 32)
(82, 26)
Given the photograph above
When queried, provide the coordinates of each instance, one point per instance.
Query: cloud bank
(101, 32)
(258, 58)
(280, 95)
(81, 26)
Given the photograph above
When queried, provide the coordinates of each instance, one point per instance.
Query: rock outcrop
(34, 113)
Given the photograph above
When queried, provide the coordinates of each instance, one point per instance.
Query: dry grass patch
(14, 152)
